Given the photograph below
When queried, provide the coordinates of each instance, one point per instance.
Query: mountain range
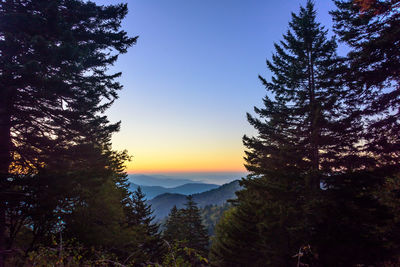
(185, 189)
(158, 180)
(162, 204)
(176, 179)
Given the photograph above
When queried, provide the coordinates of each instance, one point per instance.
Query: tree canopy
(325, 149)
(54, 137)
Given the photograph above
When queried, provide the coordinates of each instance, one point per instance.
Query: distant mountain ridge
(158, 180)
(163, 203)
(185, 189)
(176, 179)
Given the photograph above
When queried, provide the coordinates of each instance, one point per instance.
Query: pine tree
(227, 248)
(185, 227)
(54, 88)
(356, 227)
(372, 30)
(151, 247)
(98, 221)
(173, 224)
(302, 127)
(306, 132)
(194, 231)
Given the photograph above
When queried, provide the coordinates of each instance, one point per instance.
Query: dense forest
(324, 167)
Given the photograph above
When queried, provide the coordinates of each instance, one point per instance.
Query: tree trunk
(314, 124)
(5, 160)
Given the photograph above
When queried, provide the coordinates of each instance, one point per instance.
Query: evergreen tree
(211, 214)
(356, 227)
(139, 215)
(173, 226)
(184, 227)
(372, 30)
(98, 221)
(306, 132)
(303, 126)
(54, 57)
(194, 231)
(236, 236)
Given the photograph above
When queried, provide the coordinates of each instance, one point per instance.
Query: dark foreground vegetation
(323, 188)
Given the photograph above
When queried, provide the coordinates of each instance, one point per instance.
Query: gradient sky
(192, 77)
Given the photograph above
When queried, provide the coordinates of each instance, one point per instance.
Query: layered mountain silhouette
(158, 180)
(186, 189)
(163, 203)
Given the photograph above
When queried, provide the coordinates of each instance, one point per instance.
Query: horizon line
(183, 171)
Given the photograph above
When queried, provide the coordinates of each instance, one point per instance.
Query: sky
(191, 78)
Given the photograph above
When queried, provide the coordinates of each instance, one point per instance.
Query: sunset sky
(192, 77)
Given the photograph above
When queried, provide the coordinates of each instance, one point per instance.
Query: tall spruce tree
(236, 240)
(173, 224)
(306, 132)
(185, 227)
(194, 230)
(372, 31)
(54, 57)
(139, 215)
(304, 126)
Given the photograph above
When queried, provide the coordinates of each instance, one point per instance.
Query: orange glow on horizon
(181, 153)
(178, 168)
(189, 163)
(166, 171)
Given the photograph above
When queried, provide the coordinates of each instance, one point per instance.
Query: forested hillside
(162, 204)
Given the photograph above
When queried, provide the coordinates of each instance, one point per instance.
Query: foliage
(226, 250)
(316, 165)
(303, 135)
(303, 127)
(180, 256)
(355, 226)
(211, 214)
(58, 173)
(62, 254)
(184, 227)
(149, 245)
(372, 29)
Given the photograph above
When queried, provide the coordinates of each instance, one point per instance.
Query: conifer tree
(227, 248)
(55, 87)
(195, 232)
(303, 127)
(172, 230)
(139, 213)
(306, 133)
(372, 30)
(185, 227)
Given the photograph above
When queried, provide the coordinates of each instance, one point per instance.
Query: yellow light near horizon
(172, 149)
(185, 163)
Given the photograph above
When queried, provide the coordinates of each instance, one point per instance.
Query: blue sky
(192, 77)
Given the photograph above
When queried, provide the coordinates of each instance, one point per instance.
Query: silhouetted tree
(194, 231)
(54, 57)
(172, 229)
(149, 245)
(185, 229)
(306, 133)
(236, 240)
(372, 31)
